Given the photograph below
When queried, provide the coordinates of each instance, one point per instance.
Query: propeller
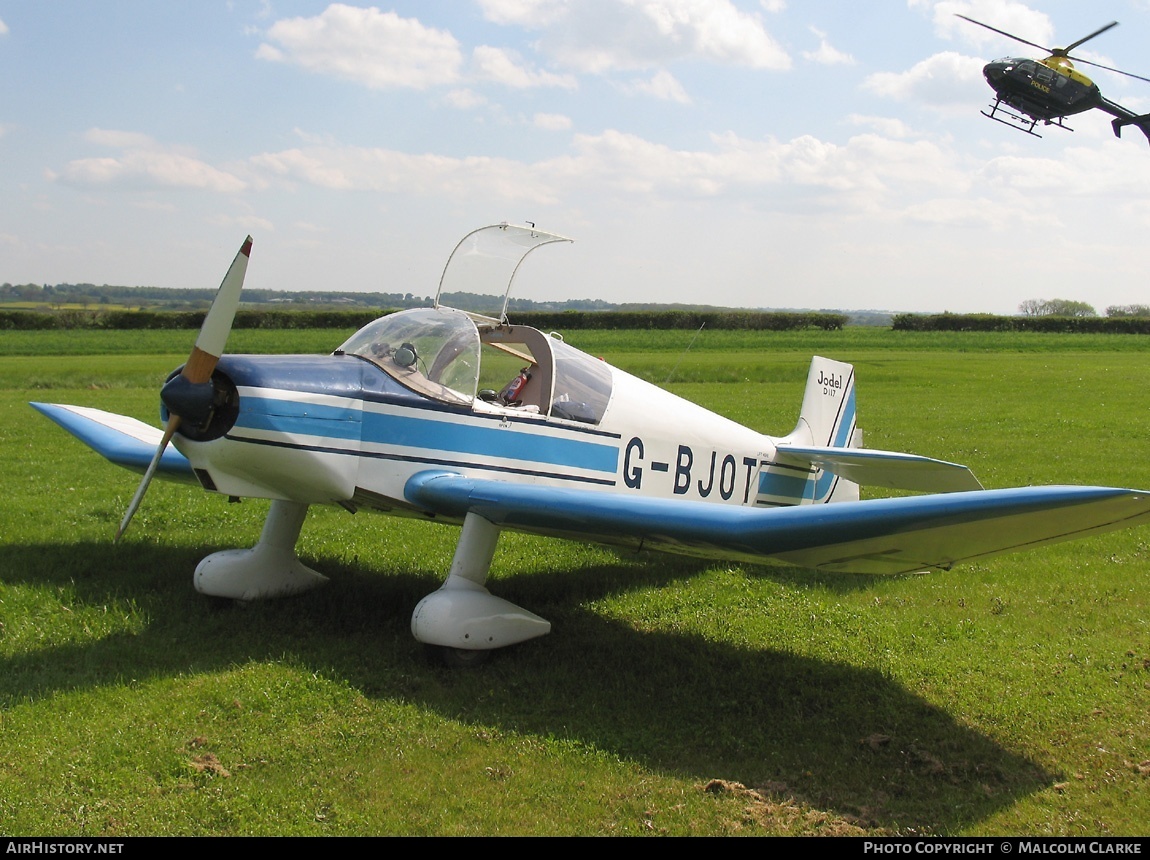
(1061, 52)
(201, 363)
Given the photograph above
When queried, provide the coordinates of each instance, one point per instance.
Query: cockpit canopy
(447, 355)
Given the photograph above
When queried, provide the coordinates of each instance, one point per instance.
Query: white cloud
(941, 80)
(392, 172)
(826, 54)
(523, 13)
(377, 49)
(976, 213)
(3, 28)
(465, 99)
(116, 139)
(886, 126)
(143, 164)
(504, 67)
(248, 223)
(602, 35)
(864, 174)
(551, 121)
(1008, 15)
(1116, 170)
(662, 85)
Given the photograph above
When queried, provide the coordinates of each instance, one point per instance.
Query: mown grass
(674, 696)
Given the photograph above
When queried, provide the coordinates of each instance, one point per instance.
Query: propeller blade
(218, 323)
(169, 431)
(202, 361)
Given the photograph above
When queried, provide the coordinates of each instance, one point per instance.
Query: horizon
(756, 151)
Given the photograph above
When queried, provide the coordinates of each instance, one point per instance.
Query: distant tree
(1056, 308)
(1071, 308)
(1128, 311)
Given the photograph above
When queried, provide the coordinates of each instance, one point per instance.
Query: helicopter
(1051, 89)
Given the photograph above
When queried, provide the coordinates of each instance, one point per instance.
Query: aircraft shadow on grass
(709, 710)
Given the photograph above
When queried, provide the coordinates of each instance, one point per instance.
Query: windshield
(432, 350)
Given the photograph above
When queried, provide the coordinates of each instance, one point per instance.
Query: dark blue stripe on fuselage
(806, 487)
(345, 376)
(414, 431)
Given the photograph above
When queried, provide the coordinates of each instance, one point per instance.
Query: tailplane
(823, 459)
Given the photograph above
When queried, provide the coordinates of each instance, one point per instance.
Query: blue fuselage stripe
(786, 486)
(284, 416)
(789, 487)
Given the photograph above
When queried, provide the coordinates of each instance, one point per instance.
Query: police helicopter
(1051, 89)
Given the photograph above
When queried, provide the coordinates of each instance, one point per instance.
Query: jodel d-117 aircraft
(399, 420)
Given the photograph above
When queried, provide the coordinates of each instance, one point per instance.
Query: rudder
(827, 417)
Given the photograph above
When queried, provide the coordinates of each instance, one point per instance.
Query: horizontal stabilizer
(125, 441)
(901, 535)
(882, 468)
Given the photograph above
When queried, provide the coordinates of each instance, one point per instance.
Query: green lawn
(672, 697)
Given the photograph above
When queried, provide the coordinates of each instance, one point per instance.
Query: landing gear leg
(463, 615)
(269, 569)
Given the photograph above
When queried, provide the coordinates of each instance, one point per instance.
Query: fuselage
(352, 428)
(1043, 90)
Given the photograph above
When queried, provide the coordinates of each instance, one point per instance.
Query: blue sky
(824, 153)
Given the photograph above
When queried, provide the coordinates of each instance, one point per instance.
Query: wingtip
(246, 249)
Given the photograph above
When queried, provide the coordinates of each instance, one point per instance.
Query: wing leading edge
(124, 441)
(899, 535)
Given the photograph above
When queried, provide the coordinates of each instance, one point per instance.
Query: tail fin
(827, 417)
(1143, 122)
(1123, 117)
(826, 420)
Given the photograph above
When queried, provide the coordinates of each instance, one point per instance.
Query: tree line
(1071, 308)
(355, 319)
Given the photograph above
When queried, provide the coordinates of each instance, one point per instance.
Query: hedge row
(352, 320)
(136, 320)
(751, 320)
(990, 322)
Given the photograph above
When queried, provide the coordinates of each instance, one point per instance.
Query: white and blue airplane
(399, 420)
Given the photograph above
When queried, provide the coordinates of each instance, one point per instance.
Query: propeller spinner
(189, 392)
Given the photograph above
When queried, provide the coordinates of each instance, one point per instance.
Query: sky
(745, 153)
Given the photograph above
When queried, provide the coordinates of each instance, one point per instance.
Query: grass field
(672, 697)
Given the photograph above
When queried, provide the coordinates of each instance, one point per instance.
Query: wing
(874, 468)
(125, 441)
(874, 536)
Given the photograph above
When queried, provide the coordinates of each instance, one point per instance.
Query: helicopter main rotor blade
(1108, 68)
(1062, 52)
(1010, 35)
(202, 361)
(1097, 32)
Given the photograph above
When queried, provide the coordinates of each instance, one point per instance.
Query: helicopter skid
(1023, 124)
(1020, 121)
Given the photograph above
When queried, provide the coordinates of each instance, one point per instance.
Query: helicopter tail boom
(1124, 117)
(1143, 122)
